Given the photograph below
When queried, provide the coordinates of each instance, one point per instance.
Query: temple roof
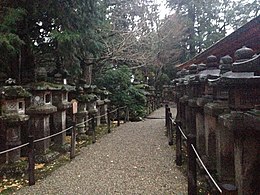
(248, 35)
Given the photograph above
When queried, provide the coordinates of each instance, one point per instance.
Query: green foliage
(163, 79)
(209, 21)
(118, 82)
(9, 19)
(10, 42)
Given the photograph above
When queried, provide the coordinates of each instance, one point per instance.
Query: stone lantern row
(42, 109)
(219, 103)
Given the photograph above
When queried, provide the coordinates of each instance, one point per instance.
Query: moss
(14, 169)
(13, 92)
(50, 86)
(87, 98)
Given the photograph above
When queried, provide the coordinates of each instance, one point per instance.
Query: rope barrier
(101, 116)
(113, 110)
(174, 123)
(183, 134)
(15, 148)
(205, 168)
(53, 135)
(82, 123)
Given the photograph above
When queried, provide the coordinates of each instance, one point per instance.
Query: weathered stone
(225, 149)
(40, 109)
(12, 116)
(243, 82)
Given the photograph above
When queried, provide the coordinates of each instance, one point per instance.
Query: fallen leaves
(10, 184)
(39, 166)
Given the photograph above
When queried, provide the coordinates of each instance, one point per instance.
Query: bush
(118, 82)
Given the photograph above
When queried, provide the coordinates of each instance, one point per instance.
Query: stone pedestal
(100, 105)
(92, 112)
(40, 127)
(59, 119)
(60, 100)
(194, 109)
(212, 111)
(246, 150)
(225, 149)
(247, 154)
(200, 124)
(81, 117)
(183, 111)
(103, 111)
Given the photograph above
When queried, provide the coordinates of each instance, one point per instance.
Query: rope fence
(31, 142)
(193, 154)
(205, 168)
(53, 135)
(15, 148)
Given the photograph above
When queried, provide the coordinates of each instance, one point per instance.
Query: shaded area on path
(134, 159)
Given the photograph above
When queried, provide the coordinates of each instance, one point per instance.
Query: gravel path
(134, 159)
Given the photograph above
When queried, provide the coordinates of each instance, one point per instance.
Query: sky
(163, 8)
(166, 11)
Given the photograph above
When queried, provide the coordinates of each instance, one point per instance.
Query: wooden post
(108, 121)
(93, 129)
(168, 120)
(118, 116)
(166, 113)
(73, 131)
(31, 161)
(192, 172)
(127, 114)
(73, 138)
(170, 131)
(229, 189)
(178, 145)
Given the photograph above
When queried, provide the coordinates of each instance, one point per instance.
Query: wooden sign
(74, 106)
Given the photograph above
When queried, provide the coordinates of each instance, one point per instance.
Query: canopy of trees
(106, 34)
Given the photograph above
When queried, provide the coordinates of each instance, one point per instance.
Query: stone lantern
(152, 98)
(12, 115)
(216, 110)
(179, 93)
(211, 72)
(184, 99)
(82, 114)
(244, 92)
(60, 100)
(92, 105)
(40, 110)
(103, 111)
(92, 98)
(192, 84)
(100, 105)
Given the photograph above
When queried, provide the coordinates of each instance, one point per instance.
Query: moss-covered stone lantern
(60, 100)
(103, 96)
(92, 98)
(99, 103)
(40, 109)
(82, 114)
(12, 115)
